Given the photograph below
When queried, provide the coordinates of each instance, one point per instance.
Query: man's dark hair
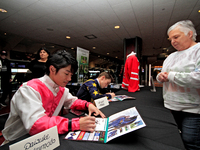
(107, 76)
(61, 59)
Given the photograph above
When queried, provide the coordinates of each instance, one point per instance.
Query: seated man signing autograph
(91, 89)
(37, 103)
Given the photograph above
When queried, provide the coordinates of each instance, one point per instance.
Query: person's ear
(190, 34)
(52, 69)
(103, 77)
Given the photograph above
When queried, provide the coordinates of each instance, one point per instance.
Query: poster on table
(83, 63)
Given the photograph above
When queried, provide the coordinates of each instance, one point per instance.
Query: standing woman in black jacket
(37, 66)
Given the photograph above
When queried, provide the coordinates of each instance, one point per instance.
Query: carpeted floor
(4, 111)
(3, 118)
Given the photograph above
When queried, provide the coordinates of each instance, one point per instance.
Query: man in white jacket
(37, 103)
(181, 82)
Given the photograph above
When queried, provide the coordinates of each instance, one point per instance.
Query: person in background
(37, 66)
(93, 88)
(121, 74)
(180, 76)
(130, 80)
(36, 104)
(5, 74)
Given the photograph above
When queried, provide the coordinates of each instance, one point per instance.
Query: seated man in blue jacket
(92, 88)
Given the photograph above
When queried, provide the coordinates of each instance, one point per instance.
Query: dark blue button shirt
(91, 90)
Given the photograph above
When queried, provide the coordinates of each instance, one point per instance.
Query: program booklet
(121, 98)
(112, 127)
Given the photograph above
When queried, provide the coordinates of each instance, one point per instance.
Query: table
(161, 132)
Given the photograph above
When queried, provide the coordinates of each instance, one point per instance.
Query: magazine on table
(112, 127)
(121, 98)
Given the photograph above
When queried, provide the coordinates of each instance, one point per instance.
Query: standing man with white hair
(181, 82)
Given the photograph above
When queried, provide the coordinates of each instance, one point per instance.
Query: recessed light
(49, 29)
(94, 47)
(90, 36)
(117, 27)
(116, 57)
(68, 37)
(108, 53)
(3, 10)
(5, 33)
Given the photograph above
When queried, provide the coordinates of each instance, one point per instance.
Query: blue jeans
(189, 125)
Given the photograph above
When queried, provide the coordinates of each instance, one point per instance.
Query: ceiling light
(117, 27)
(199, 11)
(5, 33)
(3, 10)
(72, 48)
(94, 47)
(107, 53)
(68, 37)
(116, 57)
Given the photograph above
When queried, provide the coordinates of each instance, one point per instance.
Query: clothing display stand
(153, 85)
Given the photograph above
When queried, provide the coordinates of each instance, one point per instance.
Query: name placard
(101, 102)
(47, 140)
